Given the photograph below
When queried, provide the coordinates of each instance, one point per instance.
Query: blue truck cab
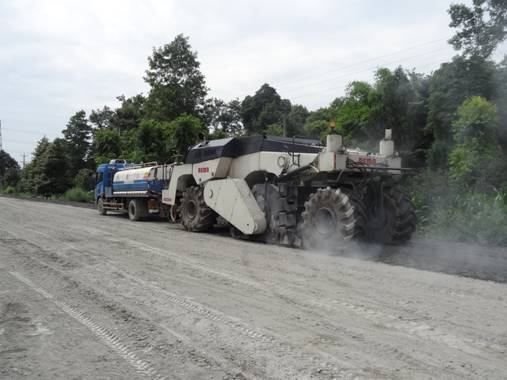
(104, 178)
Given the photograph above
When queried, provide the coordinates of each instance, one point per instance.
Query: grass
(75, 194)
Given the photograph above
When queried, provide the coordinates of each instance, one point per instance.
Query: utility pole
(24, 160)
(1, 149)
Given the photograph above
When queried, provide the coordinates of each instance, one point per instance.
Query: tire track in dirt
(107, 337)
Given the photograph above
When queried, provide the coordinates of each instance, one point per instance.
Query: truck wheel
(395, 222)
(328, 220)
(196, 216)
(137, 209)
(100, 207)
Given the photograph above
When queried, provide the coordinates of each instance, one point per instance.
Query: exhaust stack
(387, 144)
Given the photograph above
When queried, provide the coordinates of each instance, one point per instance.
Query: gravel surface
(89, 297)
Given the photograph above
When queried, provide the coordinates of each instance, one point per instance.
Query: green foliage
(9, 170)
(9, 190)
(446, 211)
(475, 134)
(184, 132)
(177, 85)
(450, 85)
(274, 130)
(47, 173)
(221, 116)
(153, 141)
(107, 145)
(77, 194)
(480, 28)
(77, 138)
(264, 108)
(85, 179)
(474, 217)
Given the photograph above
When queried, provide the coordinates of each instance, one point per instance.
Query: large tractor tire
(137, 209)
(360, 214)
(100, 207)
(196, 216)
(394, 222)
(328, 220)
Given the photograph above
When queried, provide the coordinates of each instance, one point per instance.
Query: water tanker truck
(287, 191)
(132, 188)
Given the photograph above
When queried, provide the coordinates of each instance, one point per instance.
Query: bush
(85, 179)
(446, 210)
(474, 217)
(9, 190)
(77, 194)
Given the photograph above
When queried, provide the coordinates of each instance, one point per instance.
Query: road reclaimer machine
(292, 191)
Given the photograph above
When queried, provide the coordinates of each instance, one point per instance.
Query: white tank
(133, 175)
(333, 143)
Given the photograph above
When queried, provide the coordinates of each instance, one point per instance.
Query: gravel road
(89, 297)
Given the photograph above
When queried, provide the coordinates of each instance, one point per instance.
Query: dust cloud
(468, 260)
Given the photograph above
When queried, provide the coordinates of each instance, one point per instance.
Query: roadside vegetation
(451, 125)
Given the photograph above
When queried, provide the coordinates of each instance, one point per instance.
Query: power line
(333, 88)
(27, 131)
(289, 90)
(355, 64)
(21, 142)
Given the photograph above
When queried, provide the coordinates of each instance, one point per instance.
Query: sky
(58, 57)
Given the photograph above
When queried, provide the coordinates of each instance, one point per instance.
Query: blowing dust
(468, 260)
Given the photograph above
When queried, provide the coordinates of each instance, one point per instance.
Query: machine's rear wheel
(360, 214)
(394, 221)
(195, 215)
(100, 207)
(328, 220)
(407, 220)
(137, 209)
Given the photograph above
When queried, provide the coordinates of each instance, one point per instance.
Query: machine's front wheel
(100, 207)
(137, 209)
(328, 220)
(195, 214)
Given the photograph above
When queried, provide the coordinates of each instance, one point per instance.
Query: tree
(177, 85)
(295, 120)
(317, 123)
(274, 130)
(500, 80)
(218, 115)
(49, 168)
(264, 108)
(101, 118)
(85, 179)
(77, 136)
(184, 132)
(9, 170)
(130, 113)
(480, 28)
(106, 145)
(476, 146)
(153, 141)
(356, 118)
(449, 86)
